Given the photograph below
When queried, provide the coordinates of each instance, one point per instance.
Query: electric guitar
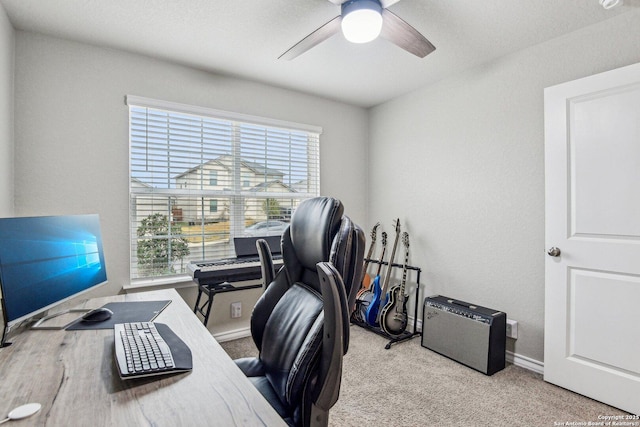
(369, 315)
(394, 313)
(366, 280)
(379, 300)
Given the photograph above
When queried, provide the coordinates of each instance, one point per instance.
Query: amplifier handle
(462, 304)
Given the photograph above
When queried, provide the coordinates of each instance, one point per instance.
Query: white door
(592, 287)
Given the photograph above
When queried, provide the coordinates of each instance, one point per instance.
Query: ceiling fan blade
(387, 3)
(313, 39)
(404, 35)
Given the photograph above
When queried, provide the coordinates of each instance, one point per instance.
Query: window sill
(159, 283)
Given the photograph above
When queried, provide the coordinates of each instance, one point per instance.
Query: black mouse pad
(124, 312)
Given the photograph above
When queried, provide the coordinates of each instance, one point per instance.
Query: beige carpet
(409, 385)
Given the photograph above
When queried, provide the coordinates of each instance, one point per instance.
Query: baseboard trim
(233, 334)
(525, 362)
(511, 357)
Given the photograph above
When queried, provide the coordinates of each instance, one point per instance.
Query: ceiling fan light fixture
(608, 4)
(361, 20)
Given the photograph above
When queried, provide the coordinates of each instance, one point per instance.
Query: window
(246, 180)
(200, 177)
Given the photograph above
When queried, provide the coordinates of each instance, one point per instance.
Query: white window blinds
(200, 177)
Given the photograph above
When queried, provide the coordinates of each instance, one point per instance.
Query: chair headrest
(313, 227)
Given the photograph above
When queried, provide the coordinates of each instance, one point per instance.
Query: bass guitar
(379, 295)
(374, 290)
(366, 280)
(393, 317)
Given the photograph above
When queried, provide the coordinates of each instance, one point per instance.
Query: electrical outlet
(512, 329)
(236, 310)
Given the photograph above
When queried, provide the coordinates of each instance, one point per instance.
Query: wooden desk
(73, 375)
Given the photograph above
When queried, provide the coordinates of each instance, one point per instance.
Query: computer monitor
(47, 260)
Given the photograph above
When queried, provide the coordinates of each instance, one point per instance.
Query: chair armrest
(266, 262)
(250, 366)
(347, 255)
(335, 315)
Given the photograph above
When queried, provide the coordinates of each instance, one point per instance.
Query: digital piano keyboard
(228, 270)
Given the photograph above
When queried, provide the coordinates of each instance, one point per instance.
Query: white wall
(461, 163)
(7, 43)
(71, 127)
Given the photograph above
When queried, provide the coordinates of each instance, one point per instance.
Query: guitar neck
(405, 242)
(384, 250)
(371, 246)
(385, 285)
(366, 262)
(404, 272)
(381, 261)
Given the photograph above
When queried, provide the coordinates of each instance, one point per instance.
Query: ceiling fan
(362, 21)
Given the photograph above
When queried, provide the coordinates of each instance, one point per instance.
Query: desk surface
(73, 375)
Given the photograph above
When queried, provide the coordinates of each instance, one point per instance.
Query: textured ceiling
(244, 38)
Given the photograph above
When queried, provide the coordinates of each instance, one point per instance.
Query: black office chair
(266, 262)
(301, 322)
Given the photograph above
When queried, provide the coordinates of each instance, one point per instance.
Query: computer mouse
(97, 315)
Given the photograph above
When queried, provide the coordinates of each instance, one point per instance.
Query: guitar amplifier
(472, 335)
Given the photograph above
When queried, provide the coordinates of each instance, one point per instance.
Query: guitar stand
(406, 335)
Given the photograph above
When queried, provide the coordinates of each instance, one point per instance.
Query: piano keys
(215, 277)
(245, 266)
(218, 276)
(228, 270)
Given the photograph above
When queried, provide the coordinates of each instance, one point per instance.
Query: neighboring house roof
(195, 168)
(224, 160)
(301, 185)
(266, 185)
(139, 183)
(260, 169)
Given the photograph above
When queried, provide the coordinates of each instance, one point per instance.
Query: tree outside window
(161, 245)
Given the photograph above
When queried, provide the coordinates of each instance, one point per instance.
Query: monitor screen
(47, 260)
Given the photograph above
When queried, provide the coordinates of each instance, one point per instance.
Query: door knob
(554, 251)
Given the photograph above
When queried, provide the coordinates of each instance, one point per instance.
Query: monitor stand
(3, 343)
(38, 324)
